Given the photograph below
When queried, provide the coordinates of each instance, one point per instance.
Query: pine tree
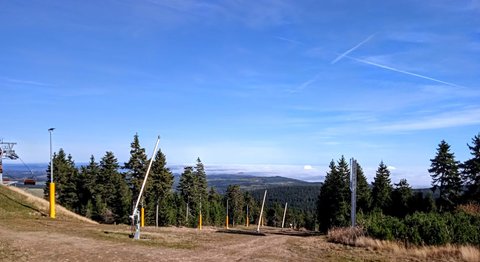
(159, 190)
(201, 181)
(113, 191)
(364, 196)
(445, 176)
(274, 215)
(471, 171)
(187, 187)
(235, 204)
(401, 197)
(382, 189)
(136, 167)
(65, 178)
(216, 212)
(333, 201)
(253, 207)
(86, 186)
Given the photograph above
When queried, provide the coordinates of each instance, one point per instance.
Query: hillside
(248, 182)
(300, 197)
(27, 234)
(16, 203)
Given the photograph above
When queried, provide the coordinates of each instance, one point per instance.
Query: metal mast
(7, 152)
(353, 189)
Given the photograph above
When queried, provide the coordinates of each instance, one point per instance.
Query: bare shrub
(345, 235)
(470, 208)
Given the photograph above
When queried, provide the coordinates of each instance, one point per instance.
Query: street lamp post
(52, 185)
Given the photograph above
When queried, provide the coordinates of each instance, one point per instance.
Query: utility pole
(248, 220)
(261, 212)
(226, 219)
(284, 213)
(52, 184)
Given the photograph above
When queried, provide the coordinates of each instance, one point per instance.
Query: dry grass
(43, 205)
(345, 235)
(470, 208)
(356, 237)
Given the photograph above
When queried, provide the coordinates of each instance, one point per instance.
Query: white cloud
(464, 117)
(391, 168)
(307, 167)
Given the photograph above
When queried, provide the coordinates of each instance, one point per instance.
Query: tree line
(105, 191)
(394, 211)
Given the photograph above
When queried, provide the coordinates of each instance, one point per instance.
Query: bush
(427, 228)
(385, 227)
(464, 228)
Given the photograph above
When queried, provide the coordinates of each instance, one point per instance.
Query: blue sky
(250, 83)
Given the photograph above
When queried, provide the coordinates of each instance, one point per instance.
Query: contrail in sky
(351, 49)
(400, 71)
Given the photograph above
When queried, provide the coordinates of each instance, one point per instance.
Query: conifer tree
(65, 178)
(334, 198)
(364, 196)
(159, 190)
(187, 187)
(86, 186)
(113, 191)
(136, 167)
(445, 176)
(201, 182)
(471, 171)
(401, 197)
(216, 212)
(235, 204)
(382, 189)
(253, 207)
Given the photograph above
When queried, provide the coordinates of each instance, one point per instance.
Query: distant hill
(247, 182)
(301, 197)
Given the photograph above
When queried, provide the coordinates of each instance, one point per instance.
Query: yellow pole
(142, 217)
(226, 222)
(52, 200)
(248, 222)
(200, 221)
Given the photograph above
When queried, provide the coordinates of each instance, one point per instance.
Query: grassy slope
(27, 234)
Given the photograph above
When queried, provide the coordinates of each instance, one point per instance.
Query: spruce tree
(113, 191)
(235, 204)
(401, 197)
(159, 190)
(445, 176)
(364, 196)
(253, 207)
(216, 212)
(334, 198)
(136, 167)
(187, 187)
(471, 171)
(86, 186)
(201, 182)
(382, 189)
(65, 178)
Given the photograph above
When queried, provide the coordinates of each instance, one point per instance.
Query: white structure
(6, 151)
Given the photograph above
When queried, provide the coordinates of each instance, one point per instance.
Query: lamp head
(51, 129)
